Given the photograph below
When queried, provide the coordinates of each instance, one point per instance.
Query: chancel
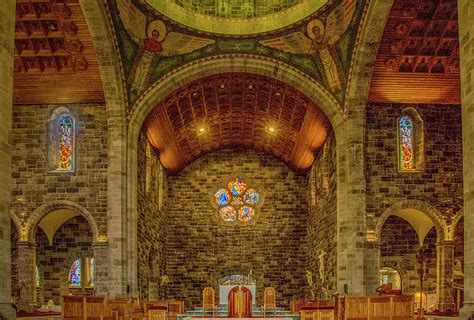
(199, 159)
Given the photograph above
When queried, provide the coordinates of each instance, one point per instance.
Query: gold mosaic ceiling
(236, 17)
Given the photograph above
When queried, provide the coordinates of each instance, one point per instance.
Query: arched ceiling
(418, 57)
(236, 110)
(236, 17)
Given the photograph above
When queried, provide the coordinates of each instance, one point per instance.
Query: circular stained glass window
(237, 202)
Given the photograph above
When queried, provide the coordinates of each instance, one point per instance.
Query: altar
(225, 289)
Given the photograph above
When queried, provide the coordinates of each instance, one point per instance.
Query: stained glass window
(237, 202)
(407, 154)
(91, 272)
(66, 143)
(37, 277)
(75, 273)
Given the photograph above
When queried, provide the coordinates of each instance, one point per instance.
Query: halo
(314, 23)
(157, 25)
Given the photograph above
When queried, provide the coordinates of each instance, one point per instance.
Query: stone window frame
(85, 273)
(418, 140)
(53, 143)
(222, 184)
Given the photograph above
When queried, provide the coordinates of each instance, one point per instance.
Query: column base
(7, 311)
(467, 312)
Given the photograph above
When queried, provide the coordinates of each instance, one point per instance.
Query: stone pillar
(101, 268)
(351, 207)
(7, 33)
(466, 46)
(444, 276)
(372, 266)
(26, 275)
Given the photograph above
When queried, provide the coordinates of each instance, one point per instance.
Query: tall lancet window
(407, 151)
(410, 141)
(61, 141)
(66, 143)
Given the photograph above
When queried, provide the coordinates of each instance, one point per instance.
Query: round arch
(206, 67)
(46, 208)
(430, 212)
(19, 227)
(402, 271)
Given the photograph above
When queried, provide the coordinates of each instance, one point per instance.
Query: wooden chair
(240, 302)
(115, 308)
(208, 301)
(156, 306)
(175, 307)
(380, 308)
(269, 300)
(403, 308)
(94, 308)
(356, 308)
(72, 308)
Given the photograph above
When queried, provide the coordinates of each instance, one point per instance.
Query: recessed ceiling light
(270, 130)
(201, 131)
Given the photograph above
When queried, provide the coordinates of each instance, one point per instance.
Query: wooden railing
(375, 308)
(118, 308)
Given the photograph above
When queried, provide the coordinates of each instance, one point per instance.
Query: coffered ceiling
(418, 57)
(54, 60)
(236, 110)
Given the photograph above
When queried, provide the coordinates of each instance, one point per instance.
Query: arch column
(372, 266)
(27, 299)
(444, 276)
(7, 33)
(466, 46)
(351, 207)
(101, 267)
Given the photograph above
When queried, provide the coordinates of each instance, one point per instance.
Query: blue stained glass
(246, 214)
(222, 197)
(91, 271)
(407, 161)
(251, 197)
(237, 187)
(228, 214)
(75, 273)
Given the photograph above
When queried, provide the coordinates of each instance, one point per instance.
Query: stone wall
(322, 221)
(34, 186)
(440, 181)
(14, 262)
(399, 246)
(71, 241)
(152, 226)
(200, 250)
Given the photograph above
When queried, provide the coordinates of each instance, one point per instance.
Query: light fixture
(271, 130)
(201, 130)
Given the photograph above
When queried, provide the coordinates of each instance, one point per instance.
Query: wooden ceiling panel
(418, 57)
(54, 61)
(236, 110)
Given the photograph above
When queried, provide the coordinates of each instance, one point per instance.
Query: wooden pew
(356, 308)
(403, 308)
(72, 308)
(380, 308)
(175, 307)
(375, 308)
(94, 308)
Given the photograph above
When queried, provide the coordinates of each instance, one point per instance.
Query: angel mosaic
(320, 40)
(155, 41)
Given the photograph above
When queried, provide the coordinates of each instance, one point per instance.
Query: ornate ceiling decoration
(54, 59)
(418, 58)
(236, 17)
(236, 110)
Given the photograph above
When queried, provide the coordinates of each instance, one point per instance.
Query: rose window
(237, 202)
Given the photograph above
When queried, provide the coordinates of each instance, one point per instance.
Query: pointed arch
(61, 141)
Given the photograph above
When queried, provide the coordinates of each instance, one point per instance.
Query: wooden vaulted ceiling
(418, 57)
(236, 110)
(54, 61)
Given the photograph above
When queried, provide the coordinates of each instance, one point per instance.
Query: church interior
(281, 159)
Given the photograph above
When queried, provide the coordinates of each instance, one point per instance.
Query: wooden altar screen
(240, 302)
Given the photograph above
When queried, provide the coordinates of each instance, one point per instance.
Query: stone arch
(198, 69)
(103, 36)
(423, 207)
(46, 208)
(451, 229)
(401, 270)
(20, 228)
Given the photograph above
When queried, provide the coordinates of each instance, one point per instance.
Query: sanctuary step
(222, 312)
